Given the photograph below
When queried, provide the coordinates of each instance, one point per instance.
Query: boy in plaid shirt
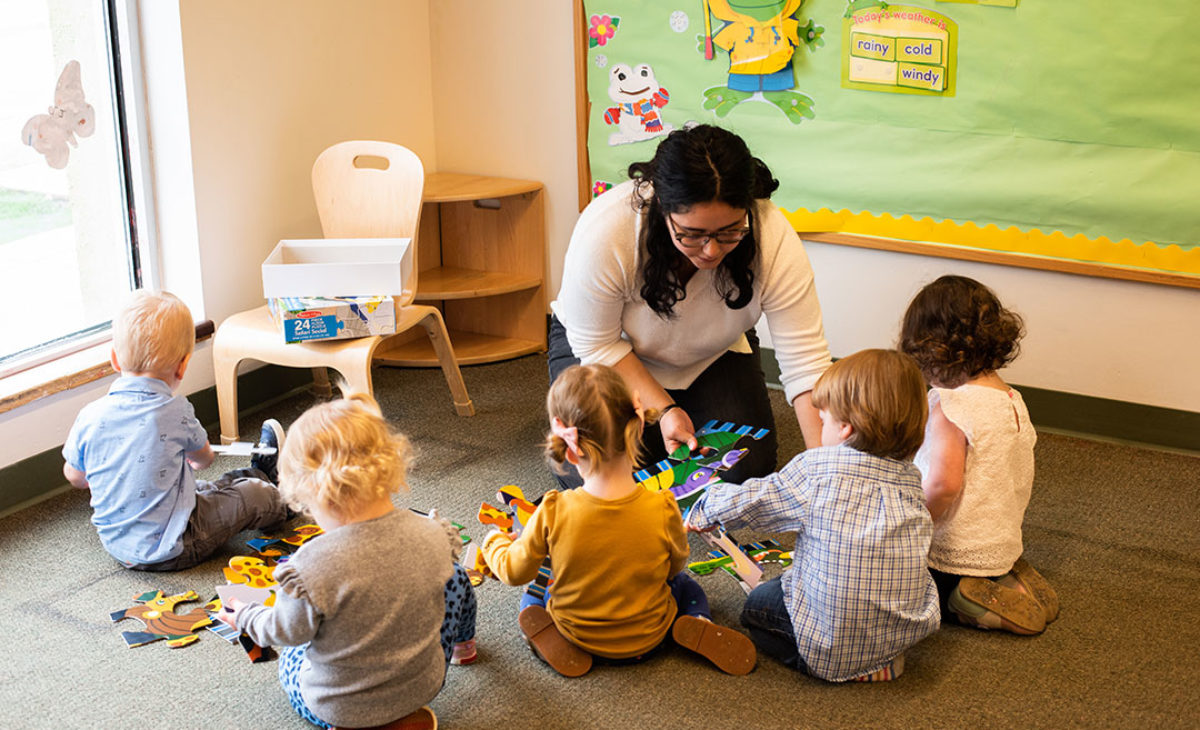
(858, 593)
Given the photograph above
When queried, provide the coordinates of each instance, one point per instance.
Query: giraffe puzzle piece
(254, 572)
(515, 513)
(157, 612)
(512, 517)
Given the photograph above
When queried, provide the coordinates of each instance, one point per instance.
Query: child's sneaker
(1036, 586)
(464, 653)
(549, 643)
(886, 673)
(988, 605)
(732, 651)
(271, 436)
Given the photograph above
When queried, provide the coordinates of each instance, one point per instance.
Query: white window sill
(67, 372)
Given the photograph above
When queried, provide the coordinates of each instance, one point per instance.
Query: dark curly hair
(699, 164)
(956, 329)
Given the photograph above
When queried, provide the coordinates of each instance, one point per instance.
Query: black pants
(732, 389)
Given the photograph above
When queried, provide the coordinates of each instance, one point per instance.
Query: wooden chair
(353, 202)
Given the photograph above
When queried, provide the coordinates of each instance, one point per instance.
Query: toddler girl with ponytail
(617, 550)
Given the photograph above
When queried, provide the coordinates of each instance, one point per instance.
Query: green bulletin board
(1059, 131)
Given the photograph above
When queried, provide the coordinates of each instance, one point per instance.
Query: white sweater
(601, 307)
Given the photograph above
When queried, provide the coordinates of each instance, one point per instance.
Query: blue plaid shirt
(858, 590)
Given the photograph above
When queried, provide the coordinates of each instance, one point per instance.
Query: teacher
(664, 279)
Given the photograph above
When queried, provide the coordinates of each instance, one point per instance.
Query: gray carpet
(1116, 529)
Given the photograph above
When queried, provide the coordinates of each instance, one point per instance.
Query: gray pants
(242, 499)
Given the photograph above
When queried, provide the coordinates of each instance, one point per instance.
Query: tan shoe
(549, 643)
(421, 719)
(1037, 587)
(988, 605)
(732, 651)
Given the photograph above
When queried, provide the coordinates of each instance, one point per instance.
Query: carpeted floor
(1116, 529)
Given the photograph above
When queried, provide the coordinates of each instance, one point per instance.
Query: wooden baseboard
(37, 477)
(1091, 417)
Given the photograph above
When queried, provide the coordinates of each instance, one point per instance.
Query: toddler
(977, 459)
(135, 450)
(617, 549)
(858, 593)
(373, 610)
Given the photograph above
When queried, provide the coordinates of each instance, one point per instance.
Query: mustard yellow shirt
(611, 561)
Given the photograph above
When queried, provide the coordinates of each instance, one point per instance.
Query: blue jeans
(732, 389)
(766, 616)
(690, 600)
(458, 626)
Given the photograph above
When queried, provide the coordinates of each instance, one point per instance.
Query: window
(68, 243)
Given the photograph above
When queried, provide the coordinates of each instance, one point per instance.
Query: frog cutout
(639, 99)
(760, 39)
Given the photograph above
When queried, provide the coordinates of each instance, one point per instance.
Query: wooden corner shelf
(470, 348)
(450, 283)
(481, 259)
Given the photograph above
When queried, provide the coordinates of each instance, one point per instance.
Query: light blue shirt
(858, 591)
(131, 445)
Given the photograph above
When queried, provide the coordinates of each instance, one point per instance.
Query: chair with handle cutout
(363, 189)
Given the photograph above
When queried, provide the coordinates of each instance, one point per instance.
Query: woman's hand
(677, 430)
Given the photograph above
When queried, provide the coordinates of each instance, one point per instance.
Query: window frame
(127, 86)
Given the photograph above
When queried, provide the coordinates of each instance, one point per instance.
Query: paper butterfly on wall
(71, 115)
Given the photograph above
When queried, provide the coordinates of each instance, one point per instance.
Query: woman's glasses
(726, 237)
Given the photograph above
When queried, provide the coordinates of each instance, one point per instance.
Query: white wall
(1098, 337)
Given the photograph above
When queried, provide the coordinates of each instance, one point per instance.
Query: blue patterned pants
(458, 626)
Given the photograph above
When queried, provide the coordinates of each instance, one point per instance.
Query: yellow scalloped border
(1148, 255)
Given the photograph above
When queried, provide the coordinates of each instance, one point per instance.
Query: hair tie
(569, 435)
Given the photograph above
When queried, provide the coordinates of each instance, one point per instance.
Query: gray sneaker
(271, 436)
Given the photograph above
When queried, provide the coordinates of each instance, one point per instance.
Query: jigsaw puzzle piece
(254, 572)
(157, 612)
(521, 508)
(489, 515)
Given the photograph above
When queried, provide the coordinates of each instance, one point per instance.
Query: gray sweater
(369, 597)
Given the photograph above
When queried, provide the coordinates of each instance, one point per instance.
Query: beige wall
(504, 96)
(270, 84)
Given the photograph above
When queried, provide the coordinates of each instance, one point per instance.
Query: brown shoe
(422, 719)
(731, 651)
(1037, 587)
(549, 643)
(989, 605)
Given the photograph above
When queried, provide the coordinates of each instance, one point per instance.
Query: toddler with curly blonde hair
(373, 611)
